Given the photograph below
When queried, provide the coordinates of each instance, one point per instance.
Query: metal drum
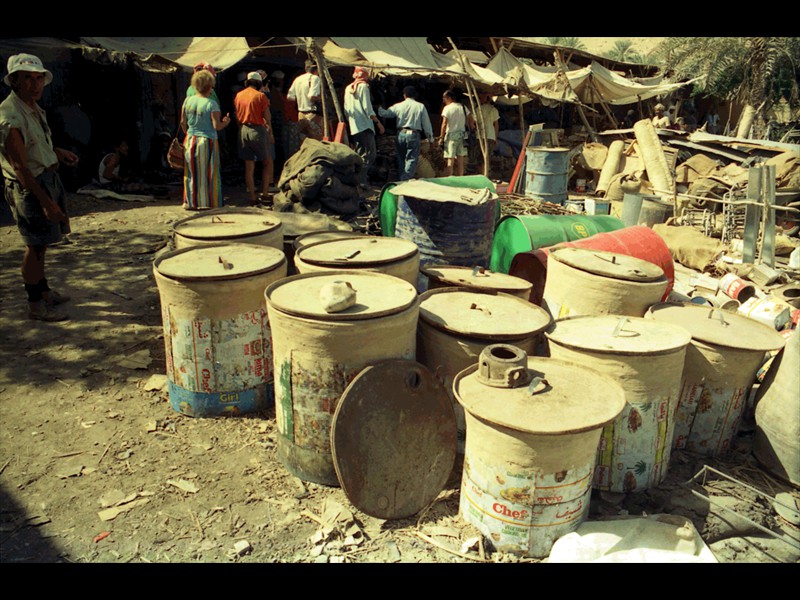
(533, 427)
(721, 364)
(456, 324)
(646, 358)
(216, 334)
(546, 173)
(581, 281)
(312, 237)
(229, 225)
(318, 353)
(392, 256)
(477, 279)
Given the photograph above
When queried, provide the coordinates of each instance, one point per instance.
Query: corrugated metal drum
(318, 353)
(722, 361)
(533, 427)
(216, 334)
(456, 324)
(646, 358)
(478, 279)
(546, 173)
(581, 281)
(230, 225)
(392, 256)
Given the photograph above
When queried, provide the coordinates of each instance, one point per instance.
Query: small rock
(242, 547)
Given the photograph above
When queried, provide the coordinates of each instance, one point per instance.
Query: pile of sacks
(320, 177)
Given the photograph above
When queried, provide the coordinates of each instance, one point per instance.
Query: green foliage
(752, 70)
(566, 42)
(623, 51)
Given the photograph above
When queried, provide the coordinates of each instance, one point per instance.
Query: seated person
(112, 173)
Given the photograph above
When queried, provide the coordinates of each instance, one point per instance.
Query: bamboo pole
(603, 104)
(472, 96)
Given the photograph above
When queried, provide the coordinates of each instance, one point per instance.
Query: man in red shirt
(255, 135)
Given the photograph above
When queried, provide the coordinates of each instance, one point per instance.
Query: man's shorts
(454, 146)
(33, 225)
(253, 143)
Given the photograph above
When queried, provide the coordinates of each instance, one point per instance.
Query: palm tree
(623, 51)
(566, 42)
(755, 71)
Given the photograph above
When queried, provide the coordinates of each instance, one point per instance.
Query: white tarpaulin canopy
(167, 53)
(395, 55)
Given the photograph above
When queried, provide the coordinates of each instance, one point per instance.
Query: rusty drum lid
(393, 439)
(561, 397)
(476, 277)
(219, 262)
(357, 252)
(228, 223)
(608, 264)
(312, 237)
(632, 336)
(716, 326)
(377, 295)
(490, 316)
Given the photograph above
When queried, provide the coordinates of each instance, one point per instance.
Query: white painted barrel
(646, 358)
(456, 324)
(229, 225)
(392, 256)
(582, 281)
(216, 334)
(533, 427)
(318, 353)
(721, 364)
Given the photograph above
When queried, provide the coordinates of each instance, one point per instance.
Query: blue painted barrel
(546, 173)
(452, 233)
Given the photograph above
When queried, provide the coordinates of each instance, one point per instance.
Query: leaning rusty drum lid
(490, 316)
(575, 399)
(357, 252)
(377, 295)
(720, 327)
(219, 262)
(608, 264)
(476, 277)
(631, 336)
(227, 223)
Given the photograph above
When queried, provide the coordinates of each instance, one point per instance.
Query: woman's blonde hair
(203, 81)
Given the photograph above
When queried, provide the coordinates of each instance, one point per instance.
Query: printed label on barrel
(706, 421)
(217, 355)
(523, 511)
(634, 451)
(200, 404)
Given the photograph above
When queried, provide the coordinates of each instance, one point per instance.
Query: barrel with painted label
(216, 333)
(476, 278)
(646, 358)
(533, 428)
(456, 324)
(317, 353)
(392, 256)
(523, 233)
(594, 282)
(721, 365)
(546, 173)
(229, 225)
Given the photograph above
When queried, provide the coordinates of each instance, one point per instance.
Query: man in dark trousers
(33, 188)
(255, 136)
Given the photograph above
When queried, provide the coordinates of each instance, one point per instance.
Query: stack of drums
(594, 282)
(533, 427)
(646, 358)
(296, 225)
(392, 256)
(318, 353)
(477, 279)
(456, 324)
(229, 226)
(721, 364)
(216, 334)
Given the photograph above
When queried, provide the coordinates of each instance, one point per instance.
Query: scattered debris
(184, 485)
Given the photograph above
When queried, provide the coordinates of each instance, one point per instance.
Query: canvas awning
(165, 54)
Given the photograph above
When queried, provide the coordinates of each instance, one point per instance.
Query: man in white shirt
(491, 125)
(306, 93)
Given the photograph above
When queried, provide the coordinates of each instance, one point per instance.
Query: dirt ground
(96, 467)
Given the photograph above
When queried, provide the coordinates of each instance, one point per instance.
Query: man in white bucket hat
(33, 188)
